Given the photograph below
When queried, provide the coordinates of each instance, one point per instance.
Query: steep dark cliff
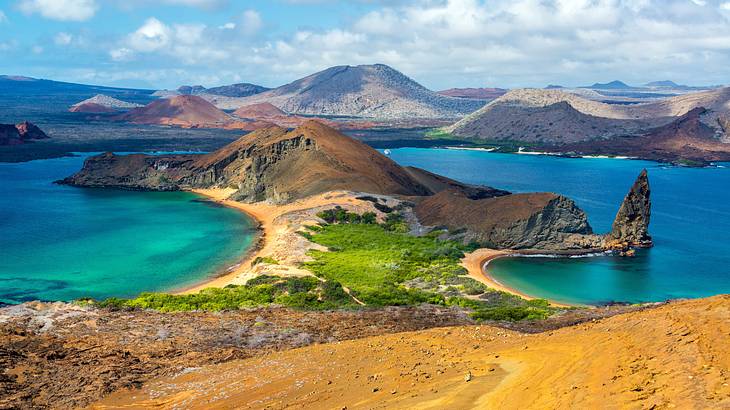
(631, 226)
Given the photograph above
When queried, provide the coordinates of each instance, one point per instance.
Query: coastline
(227, 276)
(277, 235)
(268, 233)
(475, 262)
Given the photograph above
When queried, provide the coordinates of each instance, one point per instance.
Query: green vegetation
(264, 259)
(303, 293)
(379, 264)
(382, 265)
(339, 215)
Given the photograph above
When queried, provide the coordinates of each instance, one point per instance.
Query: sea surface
(62, 243)
(690, 224)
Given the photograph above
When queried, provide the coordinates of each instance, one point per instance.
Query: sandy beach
(278, 238)
(474, 263)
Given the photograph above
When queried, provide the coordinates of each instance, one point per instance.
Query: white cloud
(121, 54)
(446, 43)
(37, 49)
(3, 17)
(63, 10)
(63, 39)
(152, 35)
(251, 22)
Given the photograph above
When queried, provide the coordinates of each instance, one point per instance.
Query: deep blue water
(61, 243)
(690, 224)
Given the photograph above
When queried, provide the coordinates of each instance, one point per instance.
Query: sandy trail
(672, 356)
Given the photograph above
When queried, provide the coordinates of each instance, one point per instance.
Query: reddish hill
(181, 110)
(477, 93)
(260, 110)
(267, 113)
(92, 108)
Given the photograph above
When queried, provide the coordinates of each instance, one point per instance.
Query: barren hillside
(672, 356)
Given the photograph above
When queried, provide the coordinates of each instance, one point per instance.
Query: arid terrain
(670, 356)
(565, 122)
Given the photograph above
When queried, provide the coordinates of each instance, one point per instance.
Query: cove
(63, 243)
(690, 224)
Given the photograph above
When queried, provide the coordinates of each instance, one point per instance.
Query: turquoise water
(690, 224)
(62, 243)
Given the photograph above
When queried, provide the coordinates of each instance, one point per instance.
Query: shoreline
(476, 262)
(226, 276)
(264, 214)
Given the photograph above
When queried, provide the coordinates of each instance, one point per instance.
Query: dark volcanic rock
(518, 221)
(29, 131)
(20, 133)
(631, 226)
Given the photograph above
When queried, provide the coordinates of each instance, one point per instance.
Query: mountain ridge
(369, 91)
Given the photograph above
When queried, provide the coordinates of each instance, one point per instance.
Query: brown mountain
(181, 110)
(281, 166)
(268, 113)
(16, 134)
(475, 93)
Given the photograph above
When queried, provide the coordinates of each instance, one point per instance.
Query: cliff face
(281, 166)
(518, 221)
(273, 165)
(539, 221)
(631, 226)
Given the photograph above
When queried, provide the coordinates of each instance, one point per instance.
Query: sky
(439, 43)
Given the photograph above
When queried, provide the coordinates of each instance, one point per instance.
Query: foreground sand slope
(673, 356)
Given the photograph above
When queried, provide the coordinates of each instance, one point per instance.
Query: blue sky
(440, 43)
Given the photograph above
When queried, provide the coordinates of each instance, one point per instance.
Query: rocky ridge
(280, 166)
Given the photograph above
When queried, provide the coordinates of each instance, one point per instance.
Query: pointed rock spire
(631, 226)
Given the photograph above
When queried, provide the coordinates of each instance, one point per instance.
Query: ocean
(690, 224)
(63, 243)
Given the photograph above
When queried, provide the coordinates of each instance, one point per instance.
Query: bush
(304, 292)
(264, 259)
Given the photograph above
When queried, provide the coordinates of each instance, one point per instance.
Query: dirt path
(673, 356)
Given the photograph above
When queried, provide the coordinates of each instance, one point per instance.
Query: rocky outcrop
(280, 166)
(538, 221)
(272, 165)
(631, 226)
(518, 221)
(724, 123)
(20, 133)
